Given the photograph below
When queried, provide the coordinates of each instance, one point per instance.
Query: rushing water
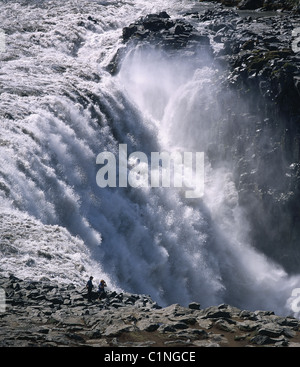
(60, 108)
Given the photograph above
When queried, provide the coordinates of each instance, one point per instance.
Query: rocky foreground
(47, 314)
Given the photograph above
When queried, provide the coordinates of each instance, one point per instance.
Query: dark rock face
(49, 314)
(291, 5)
(158, 30)
(262, 138)
(251, 4)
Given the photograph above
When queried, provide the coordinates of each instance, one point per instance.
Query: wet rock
(250, 4)
(129, 31)
(161, 31)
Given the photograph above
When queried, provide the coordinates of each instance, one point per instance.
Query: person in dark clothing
(101, 290)
(90, 286)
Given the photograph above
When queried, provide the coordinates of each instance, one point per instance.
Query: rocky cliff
(265, 5)
(263, 137)
(44, 313)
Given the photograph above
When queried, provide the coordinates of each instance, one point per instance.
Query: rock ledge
(45, 313)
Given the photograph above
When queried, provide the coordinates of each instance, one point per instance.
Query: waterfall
(60, 108)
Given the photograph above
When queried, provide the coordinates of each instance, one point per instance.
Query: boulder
(224, 325)
(215, 312)
(194, 306)
(147, 325)
(55, 299)
(248, 325)
(272, 330)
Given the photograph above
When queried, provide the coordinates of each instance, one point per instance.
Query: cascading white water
(218, 239)
(60, 109)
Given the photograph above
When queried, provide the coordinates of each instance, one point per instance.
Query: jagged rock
(187, 319)
(58, 300)
(250, 4)
(247, 315)
(193, 334)
(214, 312)
(129, 31)
(289, 333)
(271, 330)
(161, 31)
(167, 328)
(248, 325)
(264, 339)
(261, 339)
(179, 325)
(224, 325)
(290, 321)
(73, 321)
(194, 306)
(148, 325)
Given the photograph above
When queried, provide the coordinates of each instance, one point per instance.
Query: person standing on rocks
(101, 289)
(90, 286)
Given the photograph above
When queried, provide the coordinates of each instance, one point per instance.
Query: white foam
(60, 109)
